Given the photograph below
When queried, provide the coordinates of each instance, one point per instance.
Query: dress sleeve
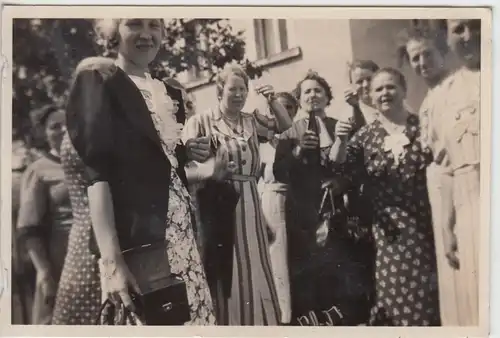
(285, 164)
(89, 123)
(193, 128)
(33, 204)
(266, 127)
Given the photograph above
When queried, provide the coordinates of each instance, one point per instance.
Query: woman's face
(55, 126)
(140, 40)
(464, 38)
(290, 106)
(361, 79)
(425, 58)
(387, 93)
(312, 96)
(234, 93)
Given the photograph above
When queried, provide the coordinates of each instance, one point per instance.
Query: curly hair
(225, 73)
(436, 33)
(394, 72)
(313, 75)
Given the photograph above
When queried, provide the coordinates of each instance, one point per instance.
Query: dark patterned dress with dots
(405, 274)
(79, 293)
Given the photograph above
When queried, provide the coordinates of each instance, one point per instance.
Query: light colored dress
(273, 195)
(451, 121)
(45, 210)
(253, 299)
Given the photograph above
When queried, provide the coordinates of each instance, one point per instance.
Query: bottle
(312, 156)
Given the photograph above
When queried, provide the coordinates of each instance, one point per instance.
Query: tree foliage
(46, 51)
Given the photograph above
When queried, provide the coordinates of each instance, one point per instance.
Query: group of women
(362, 221)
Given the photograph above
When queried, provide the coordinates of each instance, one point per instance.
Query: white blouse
(163, 109)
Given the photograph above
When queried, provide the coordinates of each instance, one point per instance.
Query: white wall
(326, 48)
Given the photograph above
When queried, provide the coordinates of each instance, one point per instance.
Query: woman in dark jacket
(329, 271)
(124, 163)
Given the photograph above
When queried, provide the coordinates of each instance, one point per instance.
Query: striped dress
(253, 299)
(452, 122)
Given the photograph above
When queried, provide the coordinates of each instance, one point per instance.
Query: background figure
(425, 50)
(453, 133)
(358, 95)
(23, 272)
(387, 156)
(244, 290)
(326, 267)
(273, 195)
(45, 217)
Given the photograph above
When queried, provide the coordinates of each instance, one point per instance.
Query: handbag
(162, 296)
(217, 205)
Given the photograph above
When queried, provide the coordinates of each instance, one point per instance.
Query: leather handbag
(162, 297)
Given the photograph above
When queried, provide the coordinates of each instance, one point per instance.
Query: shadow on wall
(378, 40)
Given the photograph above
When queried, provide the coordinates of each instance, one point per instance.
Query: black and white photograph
(257, 167)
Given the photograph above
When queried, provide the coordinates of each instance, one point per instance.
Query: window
(270, 37)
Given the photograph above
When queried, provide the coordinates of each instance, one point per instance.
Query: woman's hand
(223, 167)
(343, 129)
(309, 140)
(46, 283)
(351, 96)
(451, 250)
(118, 281)
(265, 90)
(198, 149)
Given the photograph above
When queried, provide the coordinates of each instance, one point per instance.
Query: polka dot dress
(405, 274)
(79, 294)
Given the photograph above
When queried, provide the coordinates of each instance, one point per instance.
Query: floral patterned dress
(182, 248)
(405, 273)
(79, 295)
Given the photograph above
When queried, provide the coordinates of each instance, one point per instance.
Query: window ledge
(272, 60)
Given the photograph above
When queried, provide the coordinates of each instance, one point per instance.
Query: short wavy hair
(106, 31)
(362, 64)
(41, 115)
(435, 33)
(225, 73)
(313, 75)
(394, 72)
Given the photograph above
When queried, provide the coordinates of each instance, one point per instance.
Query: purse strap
(127, 313)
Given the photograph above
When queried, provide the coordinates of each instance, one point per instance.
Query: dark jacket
(111, 129)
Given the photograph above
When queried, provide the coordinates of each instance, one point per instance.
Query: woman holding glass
(245, 294)
(389, 159)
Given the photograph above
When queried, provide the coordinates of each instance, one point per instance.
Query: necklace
(235, 123)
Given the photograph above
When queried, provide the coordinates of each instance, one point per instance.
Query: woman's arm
(103, 220)
(338, 150)
(283, 120)
(32, 229)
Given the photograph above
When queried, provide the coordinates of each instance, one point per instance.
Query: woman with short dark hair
(45, 216)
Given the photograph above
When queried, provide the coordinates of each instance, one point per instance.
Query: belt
(242, 178)
(466, 169)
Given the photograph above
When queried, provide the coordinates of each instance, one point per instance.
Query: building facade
(287, 48)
